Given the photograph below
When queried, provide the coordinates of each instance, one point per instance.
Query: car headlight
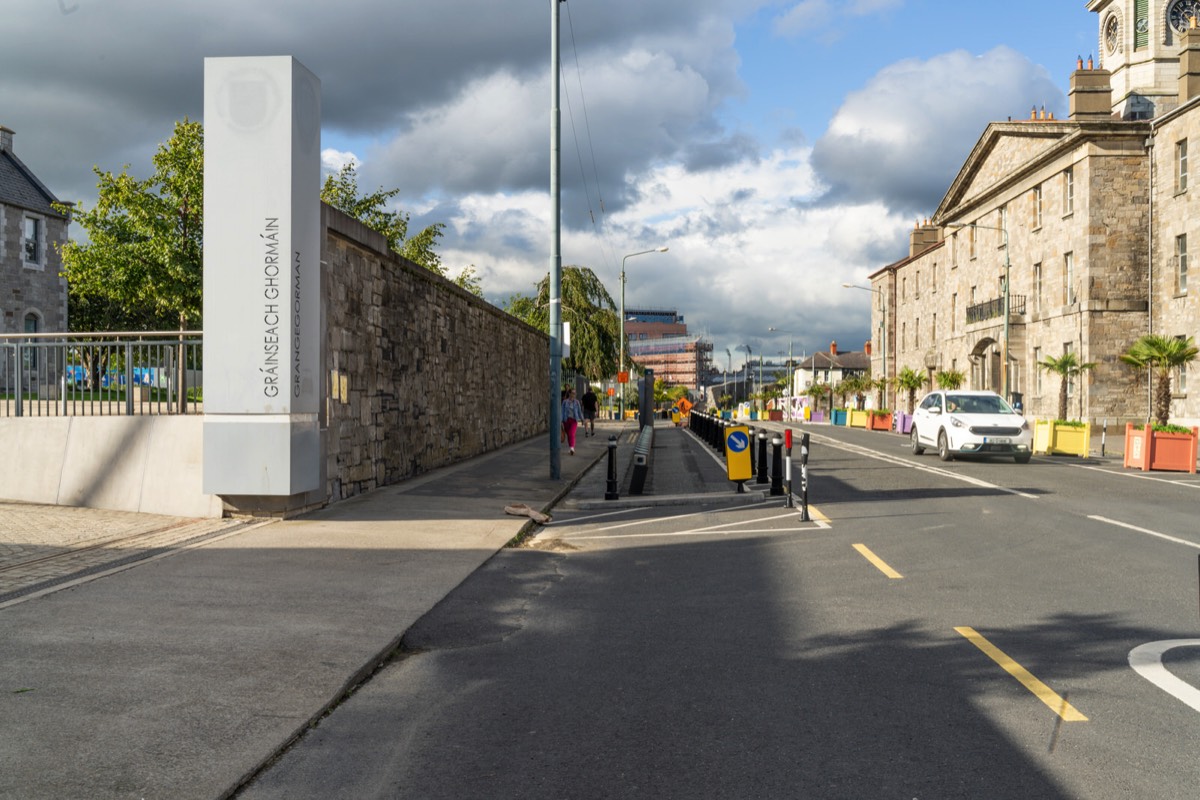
(958, 423)
(1024, 424)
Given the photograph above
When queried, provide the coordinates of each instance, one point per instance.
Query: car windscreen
(977, 404)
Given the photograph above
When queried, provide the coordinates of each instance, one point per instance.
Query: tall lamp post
(1007, 270)
(791, 373)
(883, 342)
(622, 359)
(745, 371)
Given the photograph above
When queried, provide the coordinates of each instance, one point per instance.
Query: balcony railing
(100, 374)
(995, 308)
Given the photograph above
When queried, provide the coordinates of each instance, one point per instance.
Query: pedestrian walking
(572, 414)
(591, 404)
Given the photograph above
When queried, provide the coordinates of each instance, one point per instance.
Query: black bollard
(776, 465)
(612, 492)
(762, 457)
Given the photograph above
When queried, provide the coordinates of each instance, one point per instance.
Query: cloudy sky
(778, 147)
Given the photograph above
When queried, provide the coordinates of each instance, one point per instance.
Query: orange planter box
(1147, 449)
(879, 422)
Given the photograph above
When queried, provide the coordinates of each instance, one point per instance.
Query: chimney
(833, 348)
(867, 348)
(1090, 95)
(6, 139)
(923, 237)
(1189, 63)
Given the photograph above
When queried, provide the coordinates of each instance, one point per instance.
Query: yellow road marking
(879, 563)
(1040, 690)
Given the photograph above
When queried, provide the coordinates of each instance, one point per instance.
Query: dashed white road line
(1146, 531)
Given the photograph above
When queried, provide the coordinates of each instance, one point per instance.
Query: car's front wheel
(944, 447)
(917, 449)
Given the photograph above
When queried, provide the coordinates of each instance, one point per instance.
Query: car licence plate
(997, 440)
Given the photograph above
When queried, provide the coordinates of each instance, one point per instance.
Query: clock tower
(1139, 45)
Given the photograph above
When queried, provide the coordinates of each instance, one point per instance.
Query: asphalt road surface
(940, 630)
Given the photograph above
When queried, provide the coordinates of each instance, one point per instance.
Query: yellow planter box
(857, 419)
(1066, 440)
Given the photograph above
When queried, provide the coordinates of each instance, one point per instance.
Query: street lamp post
(883, 338)
(621, 369)
(791, 373)
(745, 371)
(1007, 270)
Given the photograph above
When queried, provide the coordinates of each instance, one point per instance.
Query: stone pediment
(1003, 152)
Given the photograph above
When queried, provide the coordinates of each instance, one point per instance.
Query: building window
(903, 335)
(1037, 206)
(1181, 166)
(1181, 380)
(954, 312)
(1067, 348)
(904, 288)
(933, 329)
(1037, 371)
(1068, 279)
(32, 325)
(1141, 24)
(933, 277)
(1003, 222)
(1181, 263)
(917, 333)
(1037, 288)
(917, 285)
(1068, 191)
(971, 242)
(33, 240)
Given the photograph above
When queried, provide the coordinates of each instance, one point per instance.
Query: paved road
(952, 630)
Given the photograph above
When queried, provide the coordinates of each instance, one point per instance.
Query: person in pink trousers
(572, 415)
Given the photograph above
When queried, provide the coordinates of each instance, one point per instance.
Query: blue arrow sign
(738, 441)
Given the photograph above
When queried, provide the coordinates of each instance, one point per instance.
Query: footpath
(181, 675)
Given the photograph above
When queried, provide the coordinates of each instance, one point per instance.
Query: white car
(962, 423)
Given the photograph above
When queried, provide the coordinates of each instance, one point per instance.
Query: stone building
(33, 295)
(1064, 235)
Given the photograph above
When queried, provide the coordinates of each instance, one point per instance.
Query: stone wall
(420, 373)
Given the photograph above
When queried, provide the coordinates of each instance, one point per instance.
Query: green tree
(142, 267)
(341, 192)
(1161, 354)
(950, 379)
(588, 307)
(1066, 367)
(911, 381)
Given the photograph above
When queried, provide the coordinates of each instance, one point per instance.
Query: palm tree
(880, 385)
(1066, 366)
(950, 379)
(1161, 354)
(910, 380)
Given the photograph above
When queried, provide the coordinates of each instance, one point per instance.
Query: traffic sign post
(737, 455)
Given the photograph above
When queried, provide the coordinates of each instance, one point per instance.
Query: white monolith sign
(262, 173)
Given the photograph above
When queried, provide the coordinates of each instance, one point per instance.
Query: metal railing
(995, 308)
(101, 374)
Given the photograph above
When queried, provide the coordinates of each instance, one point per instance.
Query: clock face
(1112, 33)
(1142, 25)
(1181, 13)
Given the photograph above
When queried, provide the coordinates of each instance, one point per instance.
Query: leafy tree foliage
(588, 307)
(142, 267)
(1161, 354)
(950, 379)
(911, 381)
(1066, 367)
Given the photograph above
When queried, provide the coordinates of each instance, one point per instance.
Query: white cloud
(333, 160)
(902, 137)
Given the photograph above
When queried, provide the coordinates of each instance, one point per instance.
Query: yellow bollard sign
(737, 453)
